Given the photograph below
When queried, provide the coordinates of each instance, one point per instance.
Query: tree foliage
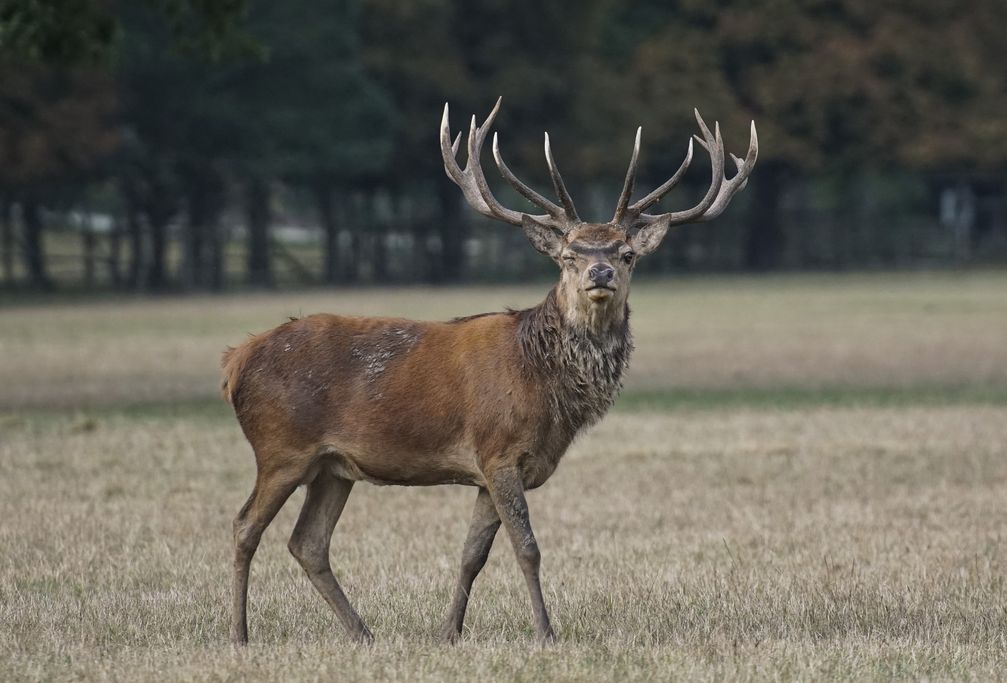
(187, 104)
(74, 32)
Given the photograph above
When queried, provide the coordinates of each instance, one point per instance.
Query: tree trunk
(379, 237)
(115, 254)
(764, 240)
(87, 249)
(452, 232)
(808, 252)
(418, 225)
(355, 221)
(215, 197)
(133, 225)
(192, 275)
(257, 214)
(215, 242)
(158, 224)
(958, 213)
(423, 259)
(847, 243)
(7, 241)
(34, 247)
(202, 252)
(325, 203)
(137, 249)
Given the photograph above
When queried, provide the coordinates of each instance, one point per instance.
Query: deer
(490, 401)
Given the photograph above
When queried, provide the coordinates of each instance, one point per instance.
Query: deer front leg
(507, 491)
(482, 530)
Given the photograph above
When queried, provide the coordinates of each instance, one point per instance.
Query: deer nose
(601, 273)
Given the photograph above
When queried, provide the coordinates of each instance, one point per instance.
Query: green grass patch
(194, 409)
(659, 401)
(791, 398)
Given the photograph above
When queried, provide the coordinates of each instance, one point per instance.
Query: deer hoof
(364, 636)
(450, 635)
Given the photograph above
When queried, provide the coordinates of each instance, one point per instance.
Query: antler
(717, 197)
(473, 183)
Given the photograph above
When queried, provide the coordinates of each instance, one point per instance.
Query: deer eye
(628, 256)
(569, 258)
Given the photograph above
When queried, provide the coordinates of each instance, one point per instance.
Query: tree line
(176, 136)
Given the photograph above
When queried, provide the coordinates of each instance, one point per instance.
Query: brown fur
(232, 362)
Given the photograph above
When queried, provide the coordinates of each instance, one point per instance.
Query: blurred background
(187, 145)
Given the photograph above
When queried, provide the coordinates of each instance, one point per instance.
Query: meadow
(805, 479)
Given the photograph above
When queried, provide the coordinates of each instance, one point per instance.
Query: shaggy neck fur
(581, 354)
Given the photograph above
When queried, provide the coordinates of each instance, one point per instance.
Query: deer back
(403, 401)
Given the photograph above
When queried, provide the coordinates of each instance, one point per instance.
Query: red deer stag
(490, 401)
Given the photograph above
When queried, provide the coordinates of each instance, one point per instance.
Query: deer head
(596, 259)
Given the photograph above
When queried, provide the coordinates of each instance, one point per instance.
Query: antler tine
(471, 180)
(449, 150)
(525, 191)
(630, 183)
(659, 193)
(474, 186)
(477, 136)
(739, 181)
(714, 144)
(462, 179)
(454, 155)
(557, 183)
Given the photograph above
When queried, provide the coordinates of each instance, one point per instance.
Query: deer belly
(404, 468)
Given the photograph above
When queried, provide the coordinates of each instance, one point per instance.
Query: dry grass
(739, 541)
(802, 544)
(707, 334)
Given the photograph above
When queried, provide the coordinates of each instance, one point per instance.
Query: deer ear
(649, 237)
(545, 238)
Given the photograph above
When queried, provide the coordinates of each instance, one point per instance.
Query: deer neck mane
(581, 358)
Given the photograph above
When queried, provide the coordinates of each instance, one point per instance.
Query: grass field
(806, 478)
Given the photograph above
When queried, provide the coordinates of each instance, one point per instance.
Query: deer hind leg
(507, 490)
(270, 493)
(309, 543)
(482, 530)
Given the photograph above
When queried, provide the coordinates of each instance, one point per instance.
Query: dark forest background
(199, 145)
